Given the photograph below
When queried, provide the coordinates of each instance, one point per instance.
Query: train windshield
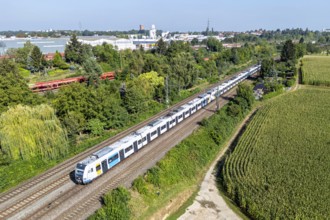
(81, 166)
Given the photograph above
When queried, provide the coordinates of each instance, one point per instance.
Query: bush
(140, 185)
(95, 126)
(116, 206)
(290, 82)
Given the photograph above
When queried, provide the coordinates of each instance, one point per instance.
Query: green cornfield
(279, 168)
(316, 70)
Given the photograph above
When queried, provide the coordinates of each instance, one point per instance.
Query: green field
(316, 70)
(279, 168)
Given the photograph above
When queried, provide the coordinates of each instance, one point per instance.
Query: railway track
(11, 202)
(20, 198)
(135, 165)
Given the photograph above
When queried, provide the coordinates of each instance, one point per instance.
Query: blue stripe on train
(113, 163)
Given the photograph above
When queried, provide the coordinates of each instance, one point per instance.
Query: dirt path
(208, 203)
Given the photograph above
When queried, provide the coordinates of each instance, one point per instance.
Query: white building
(152, 32)
(118, 43)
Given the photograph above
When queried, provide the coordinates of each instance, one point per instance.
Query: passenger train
(103, 160)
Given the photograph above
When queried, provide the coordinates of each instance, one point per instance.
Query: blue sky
(170, 15)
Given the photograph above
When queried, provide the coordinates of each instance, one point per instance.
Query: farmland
(316, 70)
(279, 168)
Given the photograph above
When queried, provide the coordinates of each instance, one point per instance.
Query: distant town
(51, 40)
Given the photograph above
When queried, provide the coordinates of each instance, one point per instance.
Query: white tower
(152, 32)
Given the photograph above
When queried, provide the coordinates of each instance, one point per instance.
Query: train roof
(185, 106)
(102, 152)
(194, 101)
(98, 154)
(142, 130)
(203, 95)
(129, 138)
(179, 109)
(156, 122)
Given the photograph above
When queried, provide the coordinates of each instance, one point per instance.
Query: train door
(121, 154)
(158, 130)
(104, 166)
(135, 146)
(148, 137)
(168, 125)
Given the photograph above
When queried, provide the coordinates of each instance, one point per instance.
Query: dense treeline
(282, 35)
(139, 89)
(282, 72)
(181, 164)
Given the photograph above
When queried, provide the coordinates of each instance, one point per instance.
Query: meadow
(279, 168)
(316, 70)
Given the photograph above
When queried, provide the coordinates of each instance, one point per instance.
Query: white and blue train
(103, 160)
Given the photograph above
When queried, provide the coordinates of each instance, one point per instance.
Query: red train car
(55, 84)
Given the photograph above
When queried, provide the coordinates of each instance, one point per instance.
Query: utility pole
(166, 90)
(217, 98)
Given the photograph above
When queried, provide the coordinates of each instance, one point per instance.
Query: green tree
(95, 126)
(245, 91)
(288, 52)
(136, 96)
(301, 50)
(22, 54)
(194, 41)
(59, 62)
(29, 132)
(74, 50)
(214, 44)
(13, 88)
(105, 53)
(267, 66)
(75, 123)
(234, 110)
(161, 46)
(184, 72)
(92, 71)
(35, 60)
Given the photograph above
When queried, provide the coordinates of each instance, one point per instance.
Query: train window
(180, 116)
(163, 127)
(139, 142)
(187, 112)
(115, 157)
(153, 133)
(81, 166)
(92, 170)
(98, 167)
(128, 149)
(173, 120)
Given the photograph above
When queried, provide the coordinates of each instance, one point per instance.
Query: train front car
(79, 173)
